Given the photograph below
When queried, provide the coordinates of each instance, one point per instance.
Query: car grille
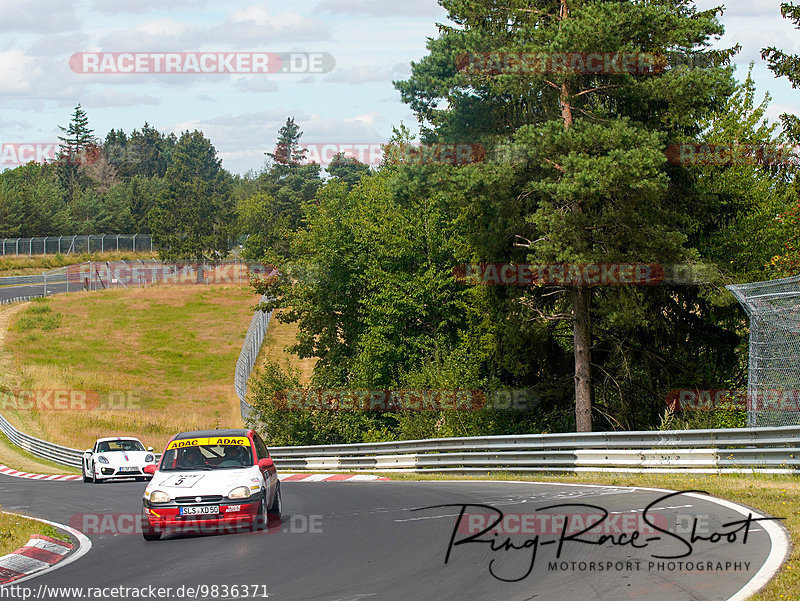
(193, 500)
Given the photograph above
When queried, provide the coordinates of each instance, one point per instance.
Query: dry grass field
(160, 360)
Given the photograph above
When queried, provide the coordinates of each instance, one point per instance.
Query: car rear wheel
(276, 508)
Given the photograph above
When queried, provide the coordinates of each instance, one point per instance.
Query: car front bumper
(167, 518)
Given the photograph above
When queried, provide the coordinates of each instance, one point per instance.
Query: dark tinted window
(261, 448)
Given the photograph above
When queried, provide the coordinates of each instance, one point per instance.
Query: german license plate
(128, 470)
(204, 510)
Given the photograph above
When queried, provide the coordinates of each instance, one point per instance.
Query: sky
(338, 86)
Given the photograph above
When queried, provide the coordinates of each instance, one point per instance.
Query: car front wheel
(83, 472)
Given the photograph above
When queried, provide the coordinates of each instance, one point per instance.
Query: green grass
(170, 350)
(774, 495)
(25, 265)
(16, 530)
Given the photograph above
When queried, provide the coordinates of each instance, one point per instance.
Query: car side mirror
(149, 449)
(149, 469)
(266, 463)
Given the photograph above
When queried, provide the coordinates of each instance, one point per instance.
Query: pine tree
(787, 65)
(288, 150)
(78, 139)
(591, 141)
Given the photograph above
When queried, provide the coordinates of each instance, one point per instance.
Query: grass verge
(34, 265)
(279, 337)
(16, 530)
(774, 495)
(16, 458)
(159, 361)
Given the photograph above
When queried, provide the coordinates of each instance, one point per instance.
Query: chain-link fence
(773, 379)
(249, 354)
(98, 275)
(50, 245)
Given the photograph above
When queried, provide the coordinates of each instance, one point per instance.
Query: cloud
(53, 45)
(256, 85)
(158, 35)
(41, 16)
(361, 74)
(383, 8)
(109, 97)
(142, 6)
(253, 28)
(242, 139)
(256, 26)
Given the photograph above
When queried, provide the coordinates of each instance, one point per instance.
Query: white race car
(114, 458)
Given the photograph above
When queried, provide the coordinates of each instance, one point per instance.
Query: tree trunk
(581, 324)
(582, 337)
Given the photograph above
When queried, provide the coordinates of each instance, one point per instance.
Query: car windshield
(207, 457)
(119, 445)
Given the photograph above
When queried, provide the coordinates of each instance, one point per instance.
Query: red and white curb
(41, 554)
(38, 554)
(17, 474)
(283, 476)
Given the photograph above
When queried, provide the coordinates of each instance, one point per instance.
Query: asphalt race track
(344, 541)
(7, 292)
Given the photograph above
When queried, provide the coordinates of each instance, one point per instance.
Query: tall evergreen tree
(787, 65)
(592, 142)
(288, 150)
(78, 147)
(193, 216)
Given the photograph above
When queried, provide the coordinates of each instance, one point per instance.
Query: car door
(270, 474)
(88, 458)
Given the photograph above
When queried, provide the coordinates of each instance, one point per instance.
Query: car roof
(108, 438)
(211, 433)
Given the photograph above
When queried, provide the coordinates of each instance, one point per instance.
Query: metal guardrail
(772, 450)
(742, 450)
(16, 299)
(41, 448)
(248, 355)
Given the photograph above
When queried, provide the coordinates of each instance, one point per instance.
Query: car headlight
(102, 459)
(159, 496)
(149, 458)
(240, 492)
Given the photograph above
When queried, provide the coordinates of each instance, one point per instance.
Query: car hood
(202, 482)
(125, 458)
